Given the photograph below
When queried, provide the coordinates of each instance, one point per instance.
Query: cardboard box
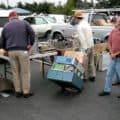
(65, 79)
(99, 48)
(103, 61)
(6, 85)
(80, 56)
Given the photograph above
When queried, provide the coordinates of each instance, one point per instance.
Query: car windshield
(3, 21)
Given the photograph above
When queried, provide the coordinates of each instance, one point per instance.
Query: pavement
(49, 103)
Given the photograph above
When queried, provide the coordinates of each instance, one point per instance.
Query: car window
(40, 20)
(50, 19)
(3, 21)
(31, 20)
(98, 16)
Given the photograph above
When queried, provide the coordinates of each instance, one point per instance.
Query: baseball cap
(12, 14)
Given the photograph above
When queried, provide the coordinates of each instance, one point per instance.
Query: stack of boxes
(67, 72)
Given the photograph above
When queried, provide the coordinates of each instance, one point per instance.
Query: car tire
(58, 36)
(47, 35)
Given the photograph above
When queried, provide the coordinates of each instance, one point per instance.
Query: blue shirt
(17, 35)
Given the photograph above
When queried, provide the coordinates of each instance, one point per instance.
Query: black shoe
(27, 95)
(92, 79)
(115, 84)
(85, 80)
(18, 94)
(103, 93)
(118, 96)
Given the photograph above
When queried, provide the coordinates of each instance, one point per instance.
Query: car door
(42, 25)
(39, 24)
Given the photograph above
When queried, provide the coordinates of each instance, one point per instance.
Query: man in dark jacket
(17, 39)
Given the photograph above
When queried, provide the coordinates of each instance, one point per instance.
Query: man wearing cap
(85, 37)
(17, 38)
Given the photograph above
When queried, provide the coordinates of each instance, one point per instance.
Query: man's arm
(31, 34)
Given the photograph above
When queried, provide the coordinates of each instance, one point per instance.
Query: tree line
(64, 9)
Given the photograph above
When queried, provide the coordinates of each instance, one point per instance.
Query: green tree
(20, 5)
(70, 5)
(2, 6)
(108, 3)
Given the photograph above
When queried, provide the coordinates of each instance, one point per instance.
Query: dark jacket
(17, 35)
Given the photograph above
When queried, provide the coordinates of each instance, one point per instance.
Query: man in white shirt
(85, 37)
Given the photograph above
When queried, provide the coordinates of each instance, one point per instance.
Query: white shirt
(84, 34)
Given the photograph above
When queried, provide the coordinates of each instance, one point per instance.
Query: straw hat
(78, 14)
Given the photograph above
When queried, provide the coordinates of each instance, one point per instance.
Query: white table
(40, 58)
(36, 57)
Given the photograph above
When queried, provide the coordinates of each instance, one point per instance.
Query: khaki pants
(20, 65)
(90, 70)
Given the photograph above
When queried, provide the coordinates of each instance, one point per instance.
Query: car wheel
(58, 36)
(47, 35)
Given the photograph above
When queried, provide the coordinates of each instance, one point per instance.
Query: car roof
(5, 13)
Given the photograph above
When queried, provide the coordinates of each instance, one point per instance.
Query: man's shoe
(92, 79)
(18, 94)
(103, 93)
(27, 95)
(115, 84)
(118, 96)
(85, 80)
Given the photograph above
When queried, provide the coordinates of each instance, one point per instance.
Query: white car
(100, 33)
(40, 24)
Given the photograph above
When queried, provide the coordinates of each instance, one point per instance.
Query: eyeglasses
(80, 18)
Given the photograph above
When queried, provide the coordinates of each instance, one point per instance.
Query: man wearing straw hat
(85, 37)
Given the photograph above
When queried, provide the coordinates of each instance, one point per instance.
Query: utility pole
(7, 3)
(92, 1)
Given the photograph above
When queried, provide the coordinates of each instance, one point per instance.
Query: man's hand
(113, 56)
(29, 47)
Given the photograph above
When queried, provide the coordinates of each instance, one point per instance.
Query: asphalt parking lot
(49, 103)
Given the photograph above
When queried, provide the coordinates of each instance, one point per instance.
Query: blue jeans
(116, 78)
(113, 69)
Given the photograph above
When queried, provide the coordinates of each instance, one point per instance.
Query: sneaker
(115, 84)
(92, 79)
(18, 94)
(27, 95)
(85, 80)
(103, 93)
(118, 96)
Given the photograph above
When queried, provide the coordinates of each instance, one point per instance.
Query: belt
(117, 56)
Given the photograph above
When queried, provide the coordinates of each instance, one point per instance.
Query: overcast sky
(13, 2)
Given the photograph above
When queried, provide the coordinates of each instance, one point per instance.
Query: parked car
(59, 18)
(40, 24)
(100, 33)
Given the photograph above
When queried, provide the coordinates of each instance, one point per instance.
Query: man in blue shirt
(17, 39)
